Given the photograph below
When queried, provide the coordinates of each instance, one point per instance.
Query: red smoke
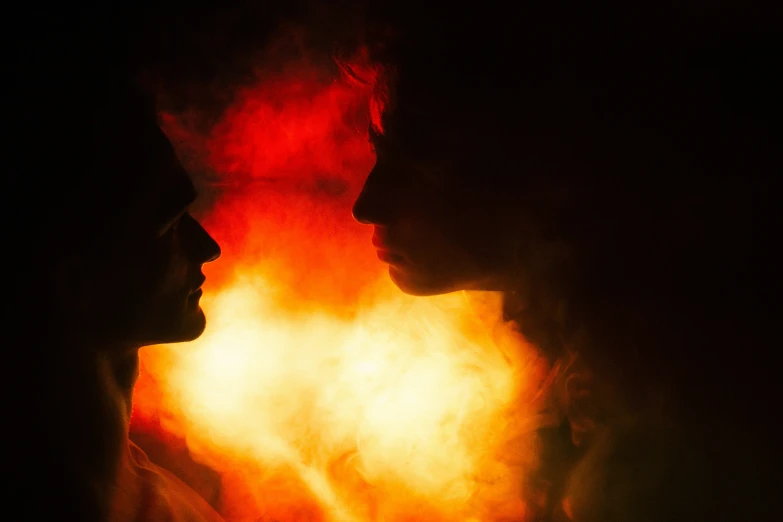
(318, 391)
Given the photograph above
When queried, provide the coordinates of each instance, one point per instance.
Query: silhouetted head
(118, 257)
(553, 125)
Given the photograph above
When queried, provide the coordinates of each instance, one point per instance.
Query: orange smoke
(319, 391)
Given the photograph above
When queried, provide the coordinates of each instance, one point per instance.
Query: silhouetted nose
(203, 247)
(213, 247)
(373, 206)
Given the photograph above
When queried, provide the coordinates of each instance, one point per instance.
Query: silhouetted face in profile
(437, 230)
(464, 168)
(476, 158)
(136, 277)
(448, 209)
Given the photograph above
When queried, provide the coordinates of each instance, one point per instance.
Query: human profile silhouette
(112, 262)
(610, 173)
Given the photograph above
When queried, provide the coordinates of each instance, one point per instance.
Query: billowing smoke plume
(318, 391)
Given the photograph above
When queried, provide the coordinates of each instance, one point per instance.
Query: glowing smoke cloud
(318, 391)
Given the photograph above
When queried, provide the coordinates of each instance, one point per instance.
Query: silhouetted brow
(174, 200)
(178, 192)
(176, 203)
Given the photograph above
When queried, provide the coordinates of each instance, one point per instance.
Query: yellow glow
(412, 403)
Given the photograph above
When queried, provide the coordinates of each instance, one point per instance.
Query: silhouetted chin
(421, 284)
(189, 329)
(195, 326)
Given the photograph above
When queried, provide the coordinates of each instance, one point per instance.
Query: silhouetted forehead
(137, 179)
(161, 186)
(174, 191)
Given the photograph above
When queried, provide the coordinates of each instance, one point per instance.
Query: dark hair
(70, 170)
(608, 89)
(71, 96)
(73, 101)
(664, 262)
(667, 126)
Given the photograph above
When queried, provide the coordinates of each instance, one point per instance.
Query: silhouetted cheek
(169, 282)
(152, 279)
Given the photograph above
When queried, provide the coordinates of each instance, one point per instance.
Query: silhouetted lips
(385, 253)
(390, 257)
(377, 242)
(196, 292)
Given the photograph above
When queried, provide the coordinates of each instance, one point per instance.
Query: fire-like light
(319, 391)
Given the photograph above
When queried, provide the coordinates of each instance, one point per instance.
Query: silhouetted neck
(120, 370)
